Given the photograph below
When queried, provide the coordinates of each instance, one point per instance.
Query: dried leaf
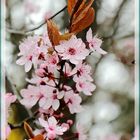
(66, 36)
(83, 23)
(38, 137)
(71, 4)
(53, 32)
(28, 130)
(82, 12)
(81, 5)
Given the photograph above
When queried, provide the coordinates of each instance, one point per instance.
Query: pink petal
(89, 35)
(42, 102)
(101, 51)
(48, 104)
(30, 102)
(43, 122)
(21, 61)
(52, 121)
(28, 66)
(55, 104)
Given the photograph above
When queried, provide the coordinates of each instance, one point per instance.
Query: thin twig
(10, 30)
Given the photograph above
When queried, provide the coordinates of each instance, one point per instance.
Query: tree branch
(10, 30)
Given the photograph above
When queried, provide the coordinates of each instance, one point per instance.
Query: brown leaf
(53, 32)
(66, 36)
(81, 5)
(86, 21)
(82, 11)
(28, 130)
(71, 4)
(38, 137)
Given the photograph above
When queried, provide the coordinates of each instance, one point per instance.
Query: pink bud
(70, 122)
(40, 72)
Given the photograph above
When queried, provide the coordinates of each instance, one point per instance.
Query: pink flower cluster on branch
(60, 75)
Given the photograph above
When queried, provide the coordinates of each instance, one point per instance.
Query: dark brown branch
(10, 30)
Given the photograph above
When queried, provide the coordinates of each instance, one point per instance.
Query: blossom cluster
(60, 75)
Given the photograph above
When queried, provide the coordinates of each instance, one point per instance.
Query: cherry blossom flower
(52, 128)
(27, 49)
(94, 42)
(10, 98)
(46, 40)
(83, 71)
(49, 111)
(73, 50)
(68, 70)
(47, 97)
(41, 81)
(32, 52)
(51, 99)
(73, 101)
(84, 86)
(81, 132)
(31, 95)
(52, 61)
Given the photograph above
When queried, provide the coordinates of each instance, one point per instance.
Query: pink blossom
(49, 111)
(46, 40)
(83, 71)
(68, 70)
(27, 49)
(10, 98)
(52, 61)
(94, 42)
(52, 128)
(51, 99)
(84, 86)
(46, 95)
(41, 81)
(81, 132)
(73, 101)
(31, 95)
(32, 52)
(73, 50)
(40, 72)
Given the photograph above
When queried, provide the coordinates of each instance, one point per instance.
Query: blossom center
(30, 58)
(51, 128)
(54, 61)
(72, 51)
(41, 56)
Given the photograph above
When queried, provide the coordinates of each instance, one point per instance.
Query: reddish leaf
(84, 22)
(28, 130)
(66, 36)
(71, 4)
(81, 5)
(38, 137)
(82, 11)
(53, 32)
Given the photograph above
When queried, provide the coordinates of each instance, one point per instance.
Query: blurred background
(109, 113)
